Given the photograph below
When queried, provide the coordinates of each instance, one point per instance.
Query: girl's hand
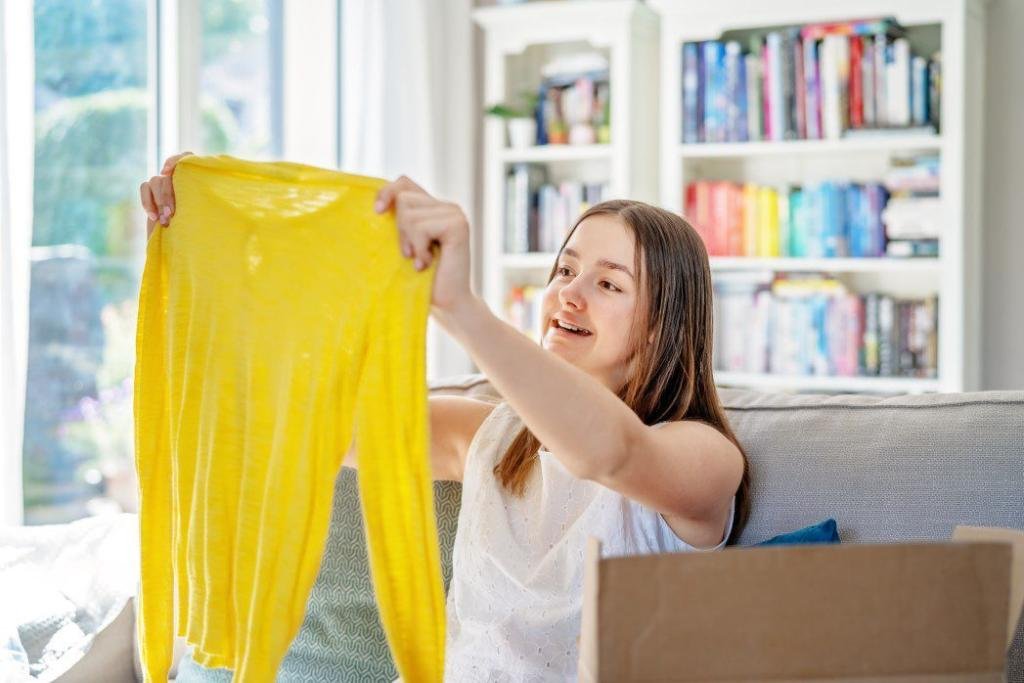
(423, 222)
(157, 195)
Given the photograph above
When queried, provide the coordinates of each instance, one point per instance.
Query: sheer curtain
(407, 109)
(16, 157)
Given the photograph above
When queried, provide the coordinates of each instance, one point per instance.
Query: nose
(572, 295)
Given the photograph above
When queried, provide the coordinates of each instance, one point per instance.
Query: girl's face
(595, 288)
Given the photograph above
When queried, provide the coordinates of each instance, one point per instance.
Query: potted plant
(519, 119)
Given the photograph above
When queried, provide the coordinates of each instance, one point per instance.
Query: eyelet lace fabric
(515, 602)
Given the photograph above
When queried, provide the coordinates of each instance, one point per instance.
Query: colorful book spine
(812, 325)
(867, 79)
(856, 83)
(812, 97)
(800, 83)
(766, 92)
(777, 89)
(918, 91)
(898, 82)
(881, 88)
(822, 82)
(691, 93)
(857, 27)
(735, 92)
(752, 69)
(714, 112)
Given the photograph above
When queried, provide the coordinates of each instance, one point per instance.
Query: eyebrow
(612, 265)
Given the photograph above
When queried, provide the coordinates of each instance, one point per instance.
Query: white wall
(1002, 363)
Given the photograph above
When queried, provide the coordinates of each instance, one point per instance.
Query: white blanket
(59, 586)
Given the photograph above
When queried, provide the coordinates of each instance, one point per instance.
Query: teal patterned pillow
(341, 639)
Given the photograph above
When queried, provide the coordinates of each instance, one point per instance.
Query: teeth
(573, 328)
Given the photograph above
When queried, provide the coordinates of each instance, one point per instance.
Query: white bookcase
(957, 26)
(646, 159)
(518, 41)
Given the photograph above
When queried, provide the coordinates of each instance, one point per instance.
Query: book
(867, 79)
(752, 72)
(881, 45)
(735, 93)
(854, 27)
(856, 99)
(912, 248)
(918, 91)
(812, 97)
(691, 94)
(935, 90)
(800, 84)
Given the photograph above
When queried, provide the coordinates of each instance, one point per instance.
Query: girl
(611, 427)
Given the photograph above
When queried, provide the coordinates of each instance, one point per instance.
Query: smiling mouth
(570, 329)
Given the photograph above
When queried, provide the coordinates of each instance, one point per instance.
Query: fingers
(168, 168)
(148, 202)
(387, 194)
(420, 229)
(163, 193)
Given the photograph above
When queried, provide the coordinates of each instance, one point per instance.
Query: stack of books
(812, 325)
(538, 213)
(819, 81)
(914, 215)
(574, 101)
(829, 219)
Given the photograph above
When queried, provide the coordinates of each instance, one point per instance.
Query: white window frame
(307, 88)
(17, 83)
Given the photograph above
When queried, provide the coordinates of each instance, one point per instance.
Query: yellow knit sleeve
(155, 624)
(395, 486)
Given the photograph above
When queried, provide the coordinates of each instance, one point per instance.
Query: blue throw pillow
(822, 532)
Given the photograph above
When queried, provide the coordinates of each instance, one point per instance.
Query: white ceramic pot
(522, 132)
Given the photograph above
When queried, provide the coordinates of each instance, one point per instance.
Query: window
(240, 78)
(91, 127)
(93, 101)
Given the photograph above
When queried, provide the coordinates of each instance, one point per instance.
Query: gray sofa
(887, 469)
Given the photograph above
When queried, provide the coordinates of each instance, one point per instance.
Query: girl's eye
(563, 270)
(610, 286)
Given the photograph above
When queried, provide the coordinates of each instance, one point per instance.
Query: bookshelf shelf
(830, 265)
(885, 385)
(556, 153)
(883, 143)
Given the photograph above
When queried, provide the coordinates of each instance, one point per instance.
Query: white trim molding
(17, 78)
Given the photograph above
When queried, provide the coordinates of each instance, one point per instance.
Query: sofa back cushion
(888, 469)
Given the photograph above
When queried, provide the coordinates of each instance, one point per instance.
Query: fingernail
(419, 264)
(165, 212)
(378, 206)
(152, 216)
(406, 250)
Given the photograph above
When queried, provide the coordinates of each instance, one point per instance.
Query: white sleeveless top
(515, 601)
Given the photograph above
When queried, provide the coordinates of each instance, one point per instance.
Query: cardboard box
(919, 612)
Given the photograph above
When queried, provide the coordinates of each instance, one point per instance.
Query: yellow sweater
(276, 314)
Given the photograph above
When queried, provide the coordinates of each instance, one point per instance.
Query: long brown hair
(671, 363)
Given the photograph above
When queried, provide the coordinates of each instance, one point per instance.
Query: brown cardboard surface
(924, 612)
(1015, 538)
